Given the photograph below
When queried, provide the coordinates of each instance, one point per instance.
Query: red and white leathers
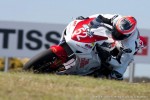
(132, 43)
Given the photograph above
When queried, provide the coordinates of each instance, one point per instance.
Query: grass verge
(29, 86)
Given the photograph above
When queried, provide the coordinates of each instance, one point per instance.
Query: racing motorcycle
(78, 53)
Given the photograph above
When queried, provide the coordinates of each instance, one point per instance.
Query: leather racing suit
(128, 47)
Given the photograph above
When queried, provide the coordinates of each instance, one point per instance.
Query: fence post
(131, 72)
(6, 64)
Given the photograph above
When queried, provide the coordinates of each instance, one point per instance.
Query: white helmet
(123, 27)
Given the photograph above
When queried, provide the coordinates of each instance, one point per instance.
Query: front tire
(41, 63)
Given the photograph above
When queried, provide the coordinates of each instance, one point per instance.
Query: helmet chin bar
(119, 36)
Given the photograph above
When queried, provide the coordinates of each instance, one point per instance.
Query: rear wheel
(42, 62)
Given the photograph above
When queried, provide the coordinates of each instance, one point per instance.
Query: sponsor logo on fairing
(83, 62)
(88, 46)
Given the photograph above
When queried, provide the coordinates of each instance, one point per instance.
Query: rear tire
(41, 63)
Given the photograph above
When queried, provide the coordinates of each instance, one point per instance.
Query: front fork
(63, 52)
(60, 53)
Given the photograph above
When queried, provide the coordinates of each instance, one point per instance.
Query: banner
(20, 39)
(143, 55)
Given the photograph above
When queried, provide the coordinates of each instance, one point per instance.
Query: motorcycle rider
(127, 40)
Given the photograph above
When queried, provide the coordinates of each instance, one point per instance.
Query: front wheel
(42, 62)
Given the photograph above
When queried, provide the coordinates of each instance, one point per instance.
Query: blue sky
(62, 11)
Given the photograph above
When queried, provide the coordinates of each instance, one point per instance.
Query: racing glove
(102, 19)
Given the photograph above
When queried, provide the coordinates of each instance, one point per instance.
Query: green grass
(29, 86)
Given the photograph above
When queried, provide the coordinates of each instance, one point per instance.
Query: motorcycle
(78, 52)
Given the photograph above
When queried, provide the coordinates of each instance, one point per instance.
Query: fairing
(79, 39)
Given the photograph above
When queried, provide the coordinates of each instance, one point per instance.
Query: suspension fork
(63, 52)
(60, 53)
